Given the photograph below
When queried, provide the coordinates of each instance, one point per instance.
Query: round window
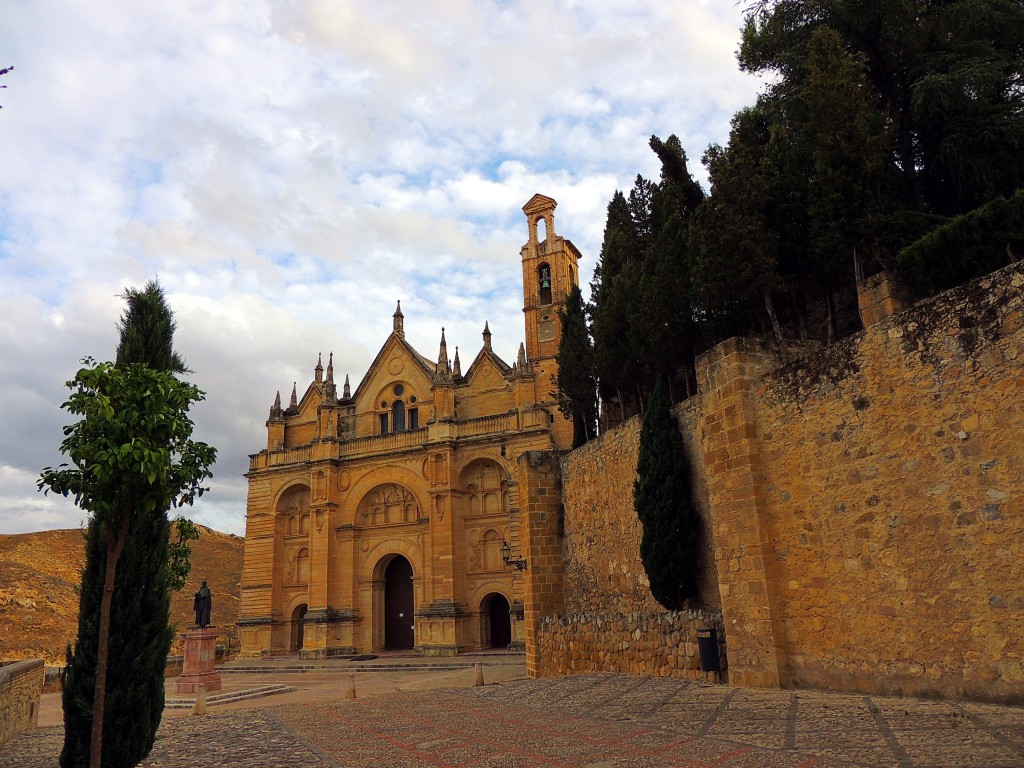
(383, 403)
(412, 399)
(399, 389)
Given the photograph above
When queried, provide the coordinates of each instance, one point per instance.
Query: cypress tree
(114, 710)
(669, 548)
(577, 388)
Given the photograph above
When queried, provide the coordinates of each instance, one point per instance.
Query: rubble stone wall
(21, 685)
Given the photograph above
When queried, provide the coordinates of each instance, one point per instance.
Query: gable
(396, 363)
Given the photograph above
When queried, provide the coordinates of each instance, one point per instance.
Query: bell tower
(550, 269)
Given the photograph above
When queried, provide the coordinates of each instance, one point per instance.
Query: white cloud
(291, 168)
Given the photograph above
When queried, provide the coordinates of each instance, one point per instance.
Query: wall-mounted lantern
(506, 556)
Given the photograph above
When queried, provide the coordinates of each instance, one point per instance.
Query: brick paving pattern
(591, 721)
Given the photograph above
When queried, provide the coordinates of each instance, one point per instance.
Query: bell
(545, 283)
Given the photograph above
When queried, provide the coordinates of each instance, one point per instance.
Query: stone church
(385, 517)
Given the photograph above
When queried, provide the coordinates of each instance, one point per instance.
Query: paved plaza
(592, 721)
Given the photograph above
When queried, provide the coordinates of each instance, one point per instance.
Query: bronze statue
(202, 604)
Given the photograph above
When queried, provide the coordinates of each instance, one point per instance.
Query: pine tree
(577, 388)
(662, 498)
(613, 293)
(665, 335)
(735, 246)
(945, 78)
(134, 458)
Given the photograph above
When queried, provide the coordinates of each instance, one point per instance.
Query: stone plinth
(199, 658)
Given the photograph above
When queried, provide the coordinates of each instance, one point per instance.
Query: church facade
(386, 517)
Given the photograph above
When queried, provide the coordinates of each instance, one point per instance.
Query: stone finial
(294, 403)
(318, 372)
(443, 366)
(457, 369)
(346, 391)
(442, 355)
(487, 336)
(521, 361)
(399, 322)
(275, 409)
(330, 391)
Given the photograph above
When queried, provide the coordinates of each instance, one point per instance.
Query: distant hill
(40, 577)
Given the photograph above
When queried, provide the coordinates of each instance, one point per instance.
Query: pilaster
(540, 542)
(727, 378)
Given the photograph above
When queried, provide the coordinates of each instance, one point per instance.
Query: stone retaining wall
(21, 685)
(660, 644)
(863, 509)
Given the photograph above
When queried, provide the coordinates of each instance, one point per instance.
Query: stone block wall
(893, 470)
(865, 505)
(611, 622)
(21, 685)
(654, 643)
(539, 524)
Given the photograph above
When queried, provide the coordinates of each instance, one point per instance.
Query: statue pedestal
(199, 658)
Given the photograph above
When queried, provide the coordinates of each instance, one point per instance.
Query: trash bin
(707, 645)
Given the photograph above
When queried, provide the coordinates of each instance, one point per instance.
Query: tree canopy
(890, 136)
(132, 458)
(670, 546)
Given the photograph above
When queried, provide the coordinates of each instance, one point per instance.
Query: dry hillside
(40, 575)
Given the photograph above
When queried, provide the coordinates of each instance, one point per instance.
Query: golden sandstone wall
(894, 477)
(21, 684)
(611, 622)
(866, 505)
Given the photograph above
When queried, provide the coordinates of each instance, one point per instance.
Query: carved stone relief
(389, 504)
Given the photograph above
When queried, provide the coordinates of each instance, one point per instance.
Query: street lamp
(506, 555)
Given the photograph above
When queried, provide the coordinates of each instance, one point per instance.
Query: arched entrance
(297, 629)
(399, 631)
(495, 622)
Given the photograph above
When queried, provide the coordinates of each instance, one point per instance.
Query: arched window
(398, 416)
(544, 282)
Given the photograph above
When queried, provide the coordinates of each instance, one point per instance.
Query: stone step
(231, 696)
(291, 668)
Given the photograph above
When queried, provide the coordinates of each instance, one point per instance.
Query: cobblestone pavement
(591, 721)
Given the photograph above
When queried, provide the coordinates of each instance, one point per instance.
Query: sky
(289, 169)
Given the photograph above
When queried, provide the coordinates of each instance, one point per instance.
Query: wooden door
(399, 632)
(500, 621)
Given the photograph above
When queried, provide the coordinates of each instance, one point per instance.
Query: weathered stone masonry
(21, 684)
(864, 506)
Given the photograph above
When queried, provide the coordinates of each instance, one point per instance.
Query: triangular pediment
(486, 356)
(382, 367)
(311, 400)
(539, 204)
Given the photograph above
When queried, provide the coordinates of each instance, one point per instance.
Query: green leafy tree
(577, 388)
(847, 158)
(664, 333)
(132, 458)
(736, 248)
(965, 247)
(179, 553)
(613, 293)
(662, 498)
(946, 77)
